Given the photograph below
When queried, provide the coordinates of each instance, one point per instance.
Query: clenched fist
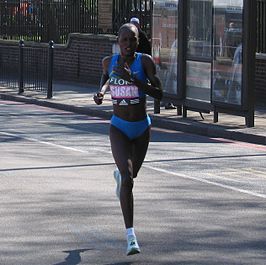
(98, 98)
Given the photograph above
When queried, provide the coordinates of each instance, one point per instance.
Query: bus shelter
(204, 52)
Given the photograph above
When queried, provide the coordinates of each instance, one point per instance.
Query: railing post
(156, 106)
(50, 69)
(21, 74)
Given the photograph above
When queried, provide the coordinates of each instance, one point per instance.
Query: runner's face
(128, 42)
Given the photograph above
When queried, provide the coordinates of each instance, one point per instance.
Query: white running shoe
(132, 245)
(117, 177)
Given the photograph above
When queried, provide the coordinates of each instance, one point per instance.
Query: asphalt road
(198, 200)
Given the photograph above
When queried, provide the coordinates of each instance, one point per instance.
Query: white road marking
(259, 195)
(53, 144)
(208, 182)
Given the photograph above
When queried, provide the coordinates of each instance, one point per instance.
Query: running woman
(130, 76)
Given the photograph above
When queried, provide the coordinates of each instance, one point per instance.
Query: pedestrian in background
(144, 43)
(130, 76)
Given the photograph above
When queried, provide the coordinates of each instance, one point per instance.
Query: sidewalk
(78, 98)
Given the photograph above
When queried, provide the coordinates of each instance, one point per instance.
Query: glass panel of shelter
(227, 52)
(165, 43)
(213, 59)
(199, 46)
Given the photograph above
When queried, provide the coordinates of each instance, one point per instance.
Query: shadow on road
(73, 257)
(56, 167)
(121, 263)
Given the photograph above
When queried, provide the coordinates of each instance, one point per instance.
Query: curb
(215, 131)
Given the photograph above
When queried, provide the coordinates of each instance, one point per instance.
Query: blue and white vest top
(125, 93)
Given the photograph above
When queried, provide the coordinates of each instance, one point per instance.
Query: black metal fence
(261, 26)
(124, 10)
(27, 68)
(43, 20)
(9, 62)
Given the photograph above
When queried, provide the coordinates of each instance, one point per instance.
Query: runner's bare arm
(104, 83)
(154, 88)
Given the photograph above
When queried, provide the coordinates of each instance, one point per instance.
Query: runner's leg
(122, 151)
(140, 146)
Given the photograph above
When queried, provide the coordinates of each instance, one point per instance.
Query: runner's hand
(98, 98)
(123, 71)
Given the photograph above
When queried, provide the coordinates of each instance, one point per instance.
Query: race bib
(126, 91)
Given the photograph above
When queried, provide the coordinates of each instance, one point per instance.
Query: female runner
(130, 76)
